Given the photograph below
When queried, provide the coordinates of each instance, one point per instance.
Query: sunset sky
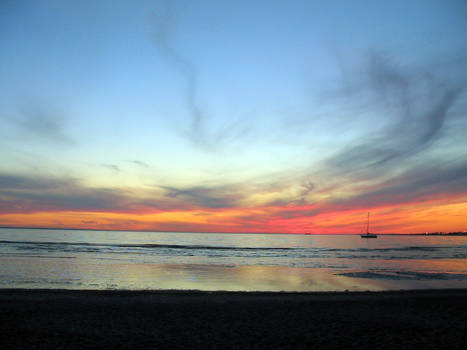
(234, 116)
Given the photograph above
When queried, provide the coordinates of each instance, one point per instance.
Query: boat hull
(369, 236)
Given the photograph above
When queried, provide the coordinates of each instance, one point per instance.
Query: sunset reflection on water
(236, 262)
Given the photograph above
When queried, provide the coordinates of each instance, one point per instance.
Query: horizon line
(222, 232)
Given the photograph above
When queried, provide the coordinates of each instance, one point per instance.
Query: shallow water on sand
(74, 259)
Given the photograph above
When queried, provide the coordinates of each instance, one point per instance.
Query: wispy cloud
(430, 182)
(112, 167)
(414, 102)
(198, 130)
(139, 163)
(221, 208)
(29, 194)
(422, 183)
(206, 197)
(22, 194)
(41, 121)
(21, 182)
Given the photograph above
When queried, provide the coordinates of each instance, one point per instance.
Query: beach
(72, 319)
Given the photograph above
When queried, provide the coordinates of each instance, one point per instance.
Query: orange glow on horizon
(402, 218)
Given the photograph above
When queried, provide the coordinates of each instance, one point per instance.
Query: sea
(123, 260)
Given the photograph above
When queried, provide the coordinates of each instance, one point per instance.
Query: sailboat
(368, 234)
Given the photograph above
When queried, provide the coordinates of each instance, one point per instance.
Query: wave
(149, 245)
(394, 249)
(389, 253)
(404, 275)
(181, 246)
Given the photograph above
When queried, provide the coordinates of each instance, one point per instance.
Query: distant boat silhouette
(368, 234)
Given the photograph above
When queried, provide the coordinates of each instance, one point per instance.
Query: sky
(234, 116)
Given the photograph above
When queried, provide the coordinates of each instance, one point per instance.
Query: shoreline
(442, 234)
(187, 319)
(199, 292)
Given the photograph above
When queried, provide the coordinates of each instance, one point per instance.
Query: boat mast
(368, 224)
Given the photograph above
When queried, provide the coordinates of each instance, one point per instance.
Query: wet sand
(52, 319)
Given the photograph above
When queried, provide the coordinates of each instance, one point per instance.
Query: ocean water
(78, 259)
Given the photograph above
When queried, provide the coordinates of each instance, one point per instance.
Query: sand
(61, 319)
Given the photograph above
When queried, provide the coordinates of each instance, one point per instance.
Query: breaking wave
(392, 253)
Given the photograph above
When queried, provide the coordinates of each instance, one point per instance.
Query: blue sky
(210, 94)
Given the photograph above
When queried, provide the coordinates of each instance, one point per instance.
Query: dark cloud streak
(19, 182)
(206, 197)
(415, 103)
(19, 193)
(43, 122)
(139, 163)
(198, 132)
(112, 167)
(25, 194)
(420, 183)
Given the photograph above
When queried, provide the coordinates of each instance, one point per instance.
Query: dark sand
(51, 319)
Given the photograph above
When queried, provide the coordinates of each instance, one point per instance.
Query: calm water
(140, 260)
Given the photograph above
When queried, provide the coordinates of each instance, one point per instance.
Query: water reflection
(135, 260)
(82, 275)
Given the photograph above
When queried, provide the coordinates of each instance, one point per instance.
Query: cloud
(139, 163)
(399, 117)
(80, 199)
(414, 102)
(430, 182)
(20, 193)
(405, 109)
(206, 197)
(42, 122)
(426, 182)
(25, 194)
(112, 167)
(20, 182)
(198, 132)
(439, 182)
